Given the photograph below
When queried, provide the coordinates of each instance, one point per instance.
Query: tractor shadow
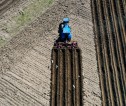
(59, 31)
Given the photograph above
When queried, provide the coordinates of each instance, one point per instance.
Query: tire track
(110, 47)
(66, 77)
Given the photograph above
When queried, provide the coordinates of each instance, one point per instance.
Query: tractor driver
(65, 30)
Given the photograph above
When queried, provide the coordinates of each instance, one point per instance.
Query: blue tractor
(65, 31)
(65, 36)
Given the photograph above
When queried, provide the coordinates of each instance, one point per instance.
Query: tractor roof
(66, 20)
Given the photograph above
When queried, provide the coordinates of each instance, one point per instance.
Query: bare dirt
(6, 4)
(25, 61)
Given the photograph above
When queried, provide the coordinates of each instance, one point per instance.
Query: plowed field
(25, 61)
(66, 87)
(110, 31)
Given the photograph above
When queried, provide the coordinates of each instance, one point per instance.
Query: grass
(24, 17)
(28, 14)
(31, 12)
(1, 41)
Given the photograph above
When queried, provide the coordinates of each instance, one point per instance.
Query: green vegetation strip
(32, 11)
(27, 15)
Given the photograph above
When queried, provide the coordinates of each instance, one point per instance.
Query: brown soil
(25, 60)
(66, 77)
(6, 4)
(111, 52)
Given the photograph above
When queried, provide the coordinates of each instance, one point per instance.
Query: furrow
(78, 78)
(121, 55)
(105, 56)
(53, 78)
(66, 88)
(109, 29)
(98, 51)
(69, 76)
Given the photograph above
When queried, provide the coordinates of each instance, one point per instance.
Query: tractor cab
(65, 34)
(64, 40)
